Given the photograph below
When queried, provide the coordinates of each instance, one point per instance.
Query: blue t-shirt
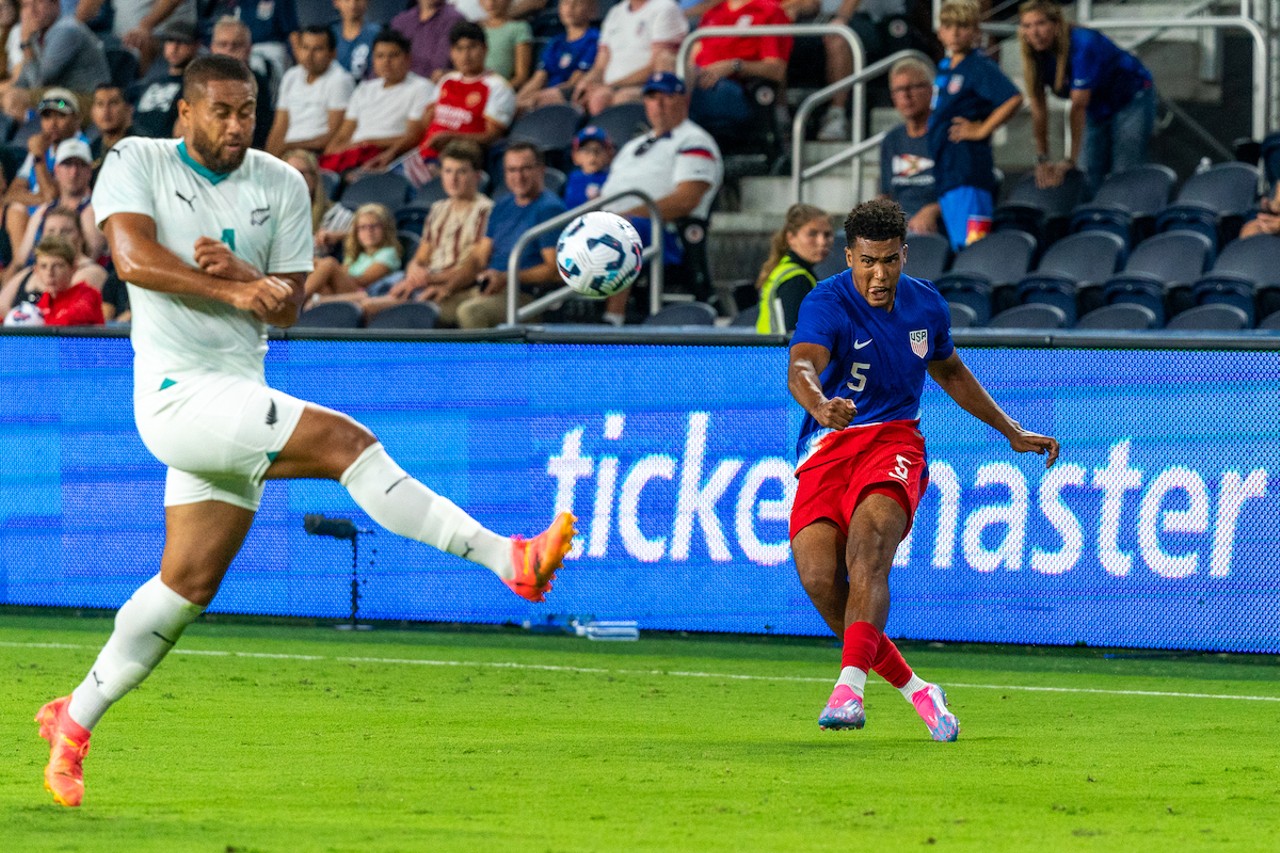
(562, 57)
(1112, 75)
(972, 90)
(906, 170)
(267, 20)
(878, 358)
(356, 55)
(581, 188)
(508, 221)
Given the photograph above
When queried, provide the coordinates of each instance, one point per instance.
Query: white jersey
(261, 210)
(658, 164)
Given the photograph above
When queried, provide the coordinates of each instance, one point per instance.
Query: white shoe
(835, 127)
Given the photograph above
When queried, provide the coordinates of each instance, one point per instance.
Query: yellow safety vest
(766, 321)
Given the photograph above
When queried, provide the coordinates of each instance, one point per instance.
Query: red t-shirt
(747, 49)
(78, 305)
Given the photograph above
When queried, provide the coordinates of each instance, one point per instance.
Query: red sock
(890, 665)
(861, 640)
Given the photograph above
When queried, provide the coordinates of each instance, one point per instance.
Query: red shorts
(883, 458)
(349, 158)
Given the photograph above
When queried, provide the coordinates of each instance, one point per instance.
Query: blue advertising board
(1155, 529)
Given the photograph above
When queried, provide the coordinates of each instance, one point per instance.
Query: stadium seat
(1121, 316)
(410, 315)
(412, 216)
(1269, 151)
(385, 188)
(1213, 202)
(927, 256)
(330, 315)
(962, 316)
(1159, 268)
(313, 14)
(747, 317)
(408, 242)
(1127, 202)
(551, 129)
(1045, 214)
(1271, 321)
(1073, 266)
(1213, 318)
(429, 193)
(995, 261)
(1035, 315)
(622, 122)
(332, 182)
(1247, 270)
(683, 314)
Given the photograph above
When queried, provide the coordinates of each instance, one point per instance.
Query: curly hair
(876, 220)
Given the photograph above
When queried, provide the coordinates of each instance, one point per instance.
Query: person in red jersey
(64, 303)
(863, 343)
(725, 66)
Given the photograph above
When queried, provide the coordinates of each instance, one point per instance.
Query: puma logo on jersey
(260, 215)
(271, 414)
(191, 202)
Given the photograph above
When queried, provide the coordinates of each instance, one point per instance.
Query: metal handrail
(762, 30)
(799, 174)
(656, 229)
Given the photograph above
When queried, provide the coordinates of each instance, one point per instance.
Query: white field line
(591, 670)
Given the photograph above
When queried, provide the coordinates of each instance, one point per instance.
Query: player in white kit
(215, 242)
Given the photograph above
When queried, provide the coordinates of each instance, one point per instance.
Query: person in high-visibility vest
(803, 242)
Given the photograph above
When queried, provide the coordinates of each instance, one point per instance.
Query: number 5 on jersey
(900, 470)
(859, 380)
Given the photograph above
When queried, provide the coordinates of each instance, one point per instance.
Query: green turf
(299, 749)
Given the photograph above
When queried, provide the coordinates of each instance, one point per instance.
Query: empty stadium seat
(551, 129)
(1245, 270)
(1033, 316)
(1271, 321)
(1121, 316)
(1158, 268)
(1127, 202)
(995, 261)
(683, 314)
(412, 216)
(410, 315)
(385, 188)
(747, 317)
(1215, 318)
(622, 122)
(927, 256)
(1213, 202)
(1072, 265)
(962, 316)
(1043, 213)
(330, 315)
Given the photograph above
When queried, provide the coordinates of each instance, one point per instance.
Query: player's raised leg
(330, 445)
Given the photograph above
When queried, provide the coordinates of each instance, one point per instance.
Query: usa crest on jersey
(920, 343)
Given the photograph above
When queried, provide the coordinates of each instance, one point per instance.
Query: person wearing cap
(72, 171)
(637, 39)
(155, 101)
(723, 66)
(592, 153)
(59, 50)
(676, 163)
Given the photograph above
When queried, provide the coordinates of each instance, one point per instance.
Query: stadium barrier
(1155, 529)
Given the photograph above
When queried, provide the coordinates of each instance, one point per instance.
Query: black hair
(467, 30)
(876, 220)
(214, 67)
(521, 145)
(319, 30)
(389, 36)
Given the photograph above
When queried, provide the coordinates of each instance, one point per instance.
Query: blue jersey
(581, 188)
(971, 90)
(878, 358)
(562, 58)
(1094, 63)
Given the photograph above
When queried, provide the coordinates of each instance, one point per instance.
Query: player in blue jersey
(214, 240)
(862, 346)
(1113, 97)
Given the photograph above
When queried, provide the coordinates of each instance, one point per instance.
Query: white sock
(913, 686)
(614, 319)
(404, 506)
(147, 627)
(855, 678)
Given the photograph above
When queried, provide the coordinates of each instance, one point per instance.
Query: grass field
(299, 738)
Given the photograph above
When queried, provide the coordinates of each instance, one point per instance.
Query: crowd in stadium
(409, 122)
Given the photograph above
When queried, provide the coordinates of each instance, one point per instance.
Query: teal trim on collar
(203, 171)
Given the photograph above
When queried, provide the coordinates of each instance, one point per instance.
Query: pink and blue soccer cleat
(931, 705)
(843, 711)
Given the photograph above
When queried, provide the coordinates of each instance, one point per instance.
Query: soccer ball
(599, 254)
(24, 314)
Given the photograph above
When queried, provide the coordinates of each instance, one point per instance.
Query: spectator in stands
(71, 173)
(272, 25)
(370, 252)
(439, 271)
(906, 168)
(1113, 97)
(330, 222)
(427, 28)
(510, 43)
(135, 22)
(528, 204)
(471, 103)
(354, 36)
(676, 163)
(61, 222)
(384, 117)
(1267, 219)
(803, 242)
(313, 96)
(592, 154)
(231, 38)
(155, 101)
(637, 39)
(723, 66)
(972, 98)
(63, 302)
(34, 184)
(565, 60)
(10, 37)
(112, 115)
(58, 50)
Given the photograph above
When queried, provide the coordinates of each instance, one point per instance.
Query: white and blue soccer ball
(24, 314)
(599, 254)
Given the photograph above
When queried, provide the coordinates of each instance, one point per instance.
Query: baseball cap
(59, 100)
(175, 31)
(665, 82)
(72, 149)
(592, 133)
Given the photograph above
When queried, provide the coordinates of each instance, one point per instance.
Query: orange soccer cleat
(536, 560)
(68, 745)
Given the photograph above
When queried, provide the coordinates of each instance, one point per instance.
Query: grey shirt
(68, 55)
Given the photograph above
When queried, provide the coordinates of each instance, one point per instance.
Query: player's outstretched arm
(954, 377)
(807, 363)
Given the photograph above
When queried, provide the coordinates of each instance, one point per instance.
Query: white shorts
(218, 433)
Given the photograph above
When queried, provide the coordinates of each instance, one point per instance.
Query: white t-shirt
(382, 111)
(309, 104)
(656, 165)
(261, 210)
(470, 9)
(630, 36)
